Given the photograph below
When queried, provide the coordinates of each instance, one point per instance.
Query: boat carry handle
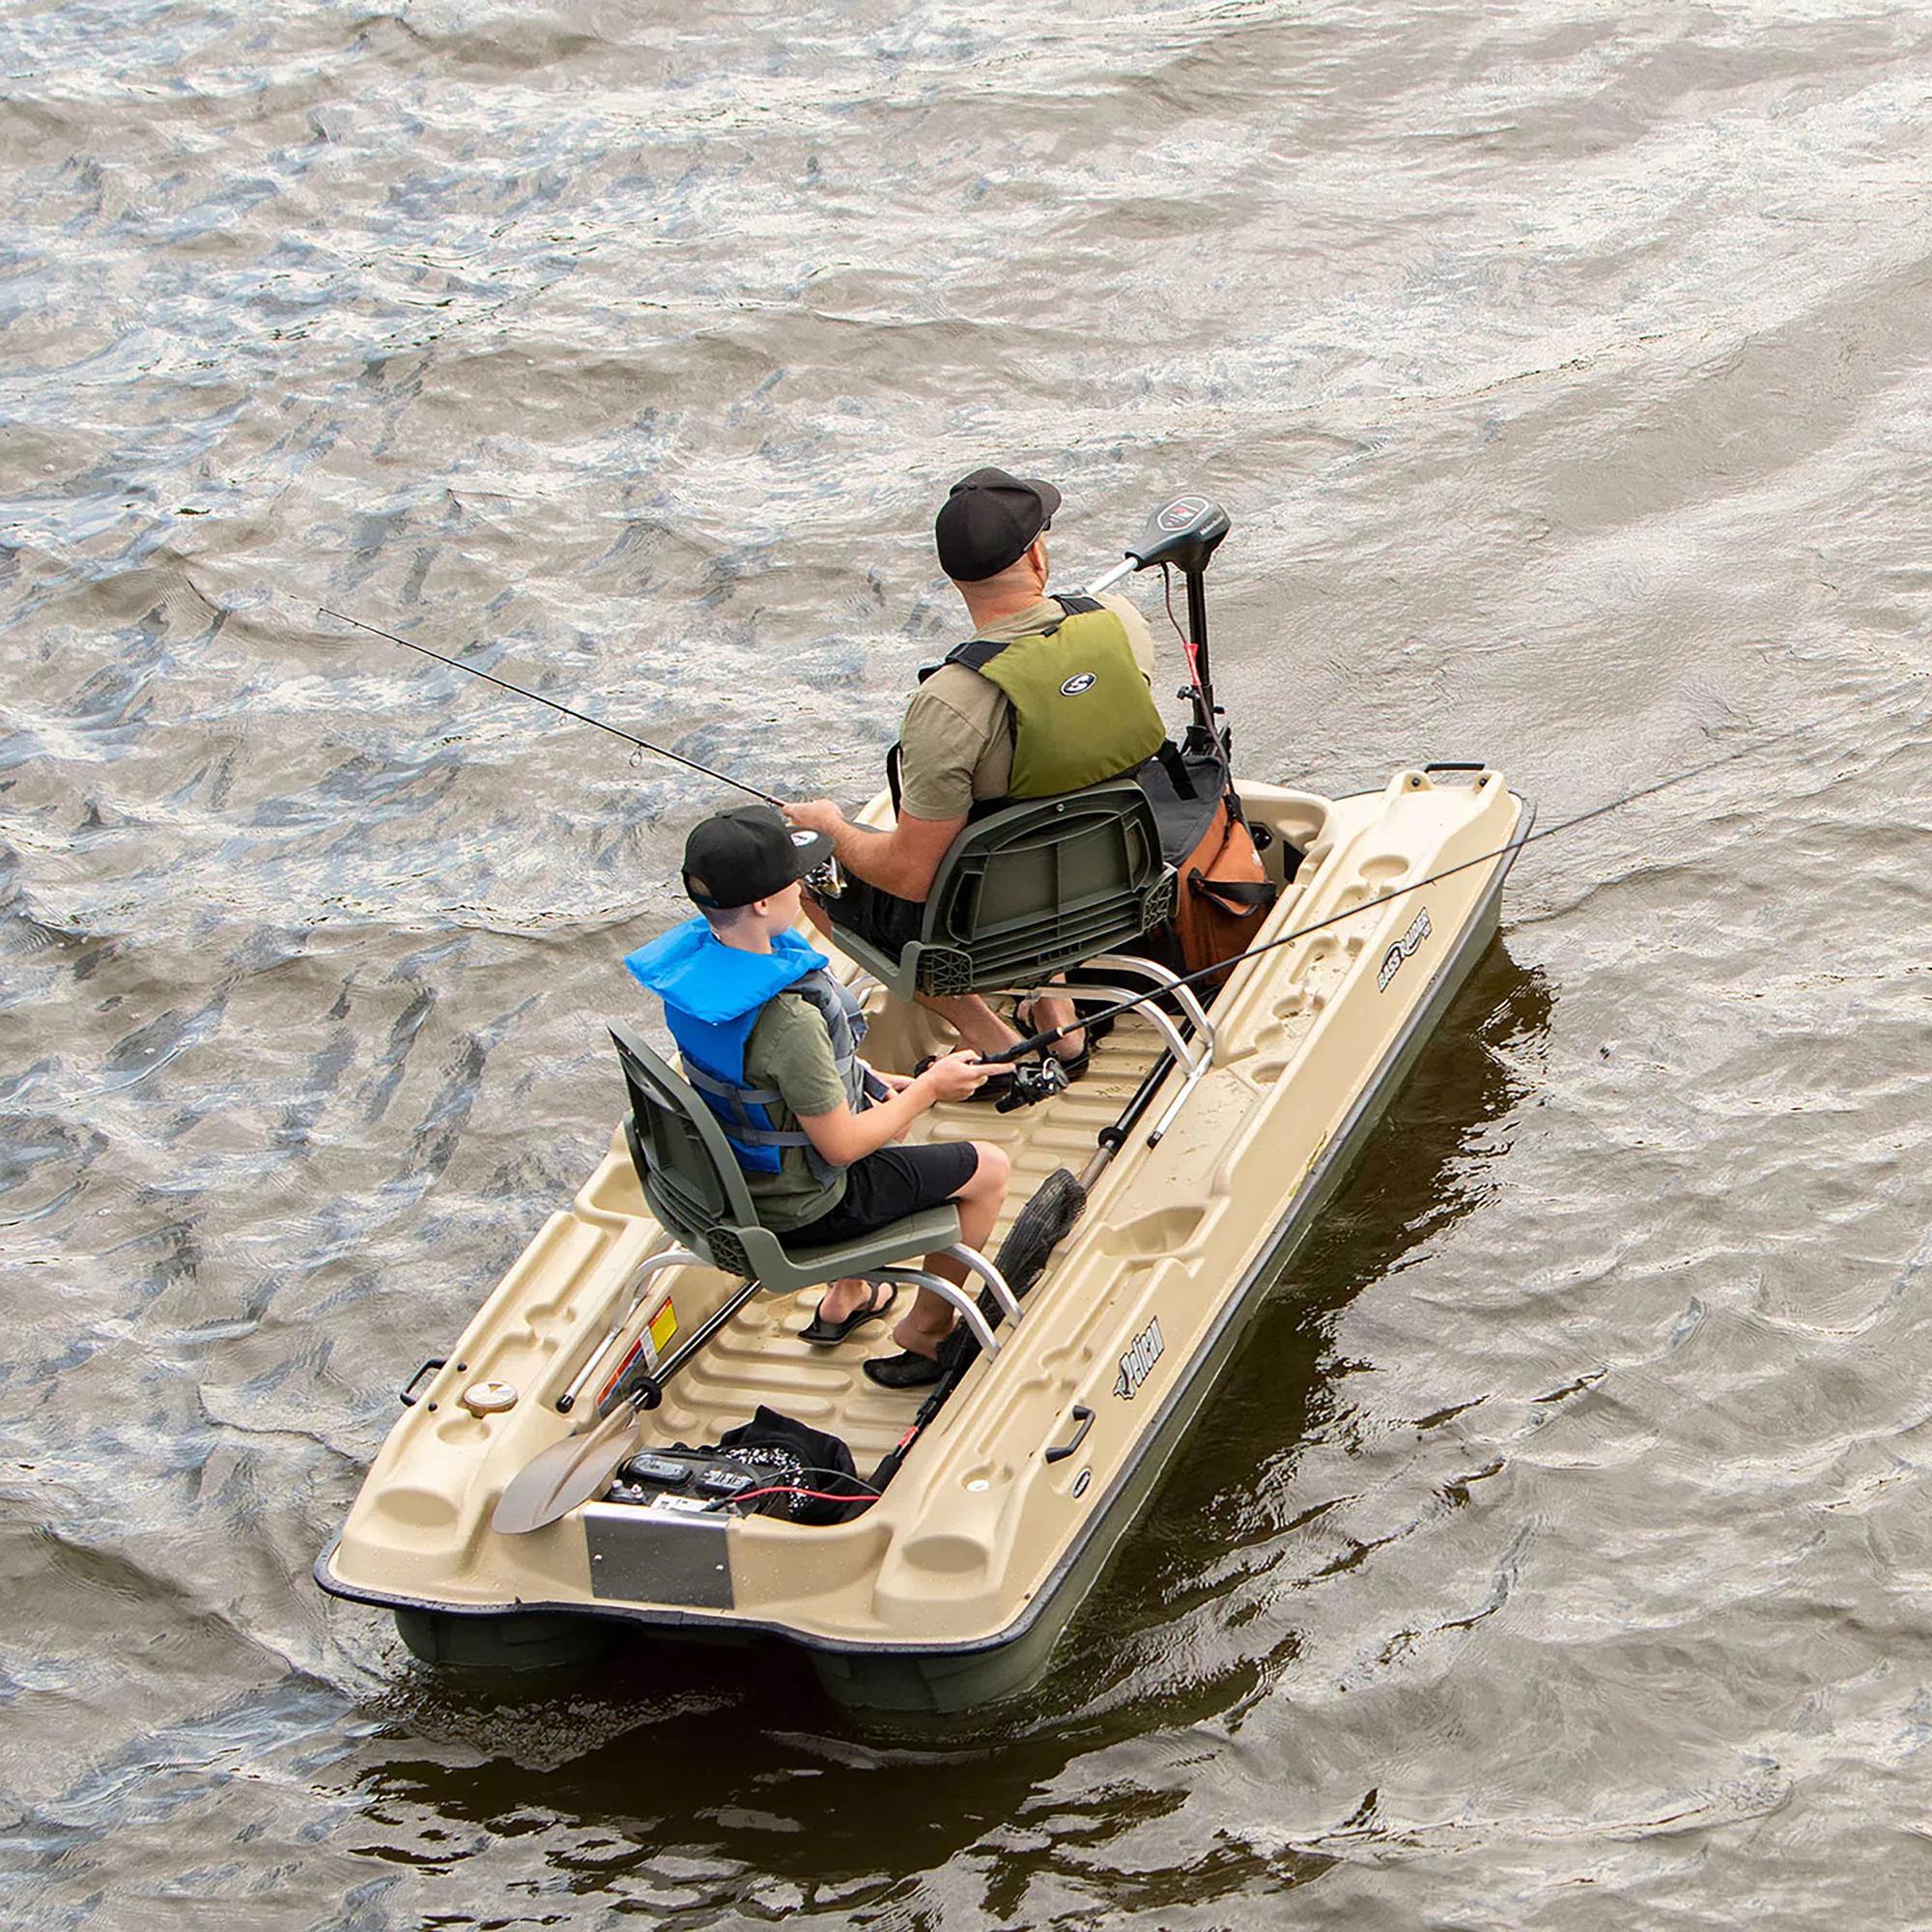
(1083, 1421)
(408, 1396)
(1458, 765)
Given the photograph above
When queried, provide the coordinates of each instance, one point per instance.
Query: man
(770, 1040)
(1047, 697)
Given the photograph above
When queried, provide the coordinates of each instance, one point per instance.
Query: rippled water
(1556, 1553)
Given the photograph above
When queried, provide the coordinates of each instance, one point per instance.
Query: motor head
(1183, 531)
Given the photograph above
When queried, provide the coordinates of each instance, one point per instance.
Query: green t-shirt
(790, 1050)
(956, 745)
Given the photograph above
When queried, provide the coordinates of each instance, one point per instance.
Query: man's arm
(902, 861)
(1139, 638)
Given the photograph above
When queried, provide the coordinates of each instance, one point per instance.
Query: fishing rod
(1182, 533)
(1223, 967)
(582, 718)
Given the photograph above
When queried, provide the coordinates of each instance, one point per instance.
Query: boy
(770, 1041)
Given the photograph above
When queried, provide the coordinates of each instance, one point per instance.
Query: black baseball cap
(989, 521)
(746, 853)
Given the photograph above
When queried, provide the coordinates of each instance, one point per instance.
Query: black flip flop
(826, 1333)
(903, 1370)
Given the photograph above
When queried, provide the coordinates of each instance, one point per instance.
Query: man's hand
(818, 814)
(902, 861)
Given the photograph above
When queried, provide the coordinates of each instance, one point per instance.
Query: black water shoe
(1093, 1033)
(903, 1370)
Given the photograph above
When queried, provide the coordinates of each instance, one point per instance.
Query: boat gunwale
(1476, 935)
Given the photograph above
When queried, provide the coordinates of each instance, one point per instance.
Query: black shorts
(887, 1186)
(880, 919)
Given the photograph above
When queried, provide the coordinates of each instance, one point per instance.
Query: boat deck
(759, 1358)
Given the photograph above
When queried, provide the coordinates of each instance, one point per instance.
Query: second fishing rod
(1756, 746)
(568, 711)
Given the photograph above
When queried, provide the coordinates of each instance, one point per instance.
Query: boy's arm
(843, 1136)
(790, 1050)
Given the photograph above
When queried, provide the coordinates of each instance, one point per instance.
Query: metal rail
(640, 1278)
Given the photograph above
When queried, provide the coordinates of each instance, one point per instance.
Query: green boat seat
(1031, 889)
(697, 1189)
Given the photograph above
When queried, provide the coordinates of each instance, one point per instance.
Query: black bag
(798, 1457)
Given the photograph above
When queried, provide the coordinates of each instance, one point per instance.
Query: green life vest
(1082, 711)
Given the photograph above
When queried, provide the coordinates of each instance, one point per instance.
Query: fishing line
(1074, 1192)
(537, 697)
(1512, 846)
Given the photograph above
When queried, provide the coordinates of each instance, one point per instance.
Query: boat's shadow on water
(740, 1751)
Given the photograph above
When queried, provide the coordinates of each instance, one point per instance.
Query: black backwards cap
(989, 521)
(748, 853)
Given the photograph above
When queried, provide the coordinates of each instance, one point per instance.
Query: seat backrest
(686, 1169)
(1042, 885)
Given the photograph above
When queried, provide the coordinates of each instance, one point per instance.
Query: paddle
(1038, 1228)
(557, 1479)
(567, 1473)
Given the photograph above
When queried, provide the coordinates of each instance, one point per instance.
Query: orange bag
(1225, 892)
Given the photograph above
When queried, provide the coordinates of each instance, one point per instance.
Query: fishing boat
(567, 1471)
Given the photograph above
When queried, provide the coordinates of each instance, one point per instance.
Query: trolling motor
(1183, 535)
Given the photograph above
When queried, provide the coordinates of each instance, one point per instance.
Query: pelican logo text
(1180, 513)
(1147, 1351)
(1080, 681)
(1403, 949)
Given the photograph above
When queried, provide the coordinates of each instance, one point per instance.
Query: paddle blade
(570, 1472)
(1038, 1228)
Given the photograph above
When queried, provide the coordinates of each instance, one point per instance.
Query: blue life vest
(713, 995)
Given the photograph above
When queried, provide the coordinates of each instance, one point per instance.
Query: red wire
(787, 1489)
(1188, 643)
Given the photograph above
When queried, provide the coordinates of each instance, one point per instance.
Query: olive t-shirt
(956, 745)
(790, 1050)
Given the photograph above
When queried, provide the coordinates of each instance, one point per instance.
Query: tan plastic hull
(950, 1589)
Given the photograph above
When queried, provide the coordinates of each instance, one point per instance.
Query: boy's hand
(956, 1075)
(896, 1083)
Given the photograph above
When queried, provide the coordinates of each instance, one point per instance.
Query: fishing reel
(1033, 1081)
(825, 881)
